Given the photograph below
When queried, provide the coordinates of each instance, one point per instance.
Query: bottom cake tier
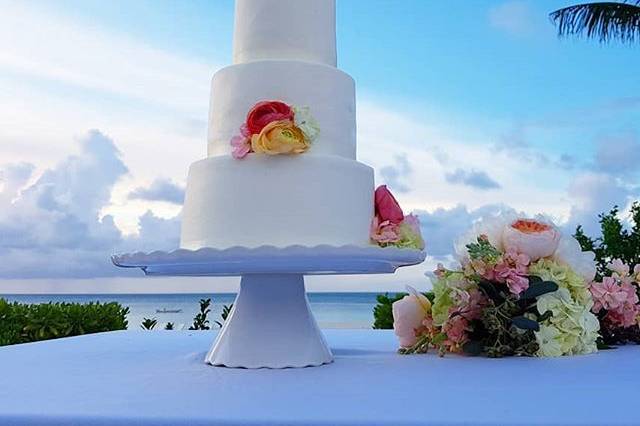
(280, 201)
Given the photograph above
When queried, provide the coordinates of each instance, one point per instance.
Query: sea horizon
(332, 309)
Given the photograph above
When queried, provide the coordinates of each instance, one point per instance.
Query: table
(160, 378)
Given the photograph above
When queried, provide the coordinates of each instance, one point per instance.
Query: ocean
(332, 310)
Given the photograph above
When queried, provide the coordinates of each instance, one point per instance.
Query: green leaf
(544, 316)
(490, 290)
(538, 289)
(525, 323)
(473, 348)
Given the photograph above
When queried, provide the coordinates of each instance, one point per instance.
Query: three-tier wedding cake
(281, 167)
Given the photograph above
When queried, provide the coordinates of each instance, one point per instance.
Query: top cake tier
(303, 30)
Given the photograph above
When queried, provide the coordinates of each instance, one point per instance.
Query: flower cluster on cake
(522, 288)
(390, 227)
(274, 128)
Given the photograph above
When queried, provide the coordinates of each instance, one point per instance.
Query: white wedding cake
(293, 180)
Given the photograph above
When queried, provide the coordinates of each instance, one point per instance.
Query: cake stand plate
(270, 324)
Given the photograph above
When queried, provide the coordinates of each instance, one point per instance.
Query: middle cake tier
(280, 201)
(328, 92)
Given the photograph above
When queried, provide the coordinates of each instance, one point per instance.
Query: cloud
(397, 174)
(592, 194)
(442, 227)
(159, 190)
(512, 17)
(473, 178)
(53, 228)
(618, 154)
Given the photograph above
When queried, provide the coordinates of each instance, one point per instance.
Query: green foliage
(200, 321)
(149, 323)
(169, 326)
(483, 250)
(617, 240)
(22, 323)
(508, 322)
(226, 310)
(382, 312)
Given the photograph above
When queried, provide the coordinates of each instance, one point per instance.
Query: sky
(464, 108)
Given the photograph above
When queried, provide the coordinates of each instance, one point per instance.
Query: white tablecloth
(159, 378)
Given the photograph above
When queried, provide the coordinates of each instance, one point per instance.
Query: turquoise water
(332, 310)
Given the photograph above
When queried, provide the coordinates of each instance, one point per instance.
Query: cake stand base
(270, 326)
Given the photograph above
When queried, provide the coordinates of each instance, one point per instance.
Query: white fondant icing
(280, 201)
(327, 91)
(303, 30)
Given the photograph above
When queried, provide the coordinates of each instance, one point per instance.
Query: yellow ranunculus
(279, 137)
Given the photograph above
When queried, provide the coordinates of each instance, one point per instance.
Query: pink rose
(264, 113)
(534, 238)
(408, 316)
(387, 208)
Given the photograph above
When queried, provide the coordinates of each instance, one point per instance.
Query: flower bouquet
(617, 305)
(521, 289)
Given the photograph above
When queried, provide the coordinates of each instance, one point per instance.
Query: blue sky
(463, 108)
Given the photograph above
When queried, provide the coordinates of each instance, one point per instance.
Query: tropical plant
(382, 313)
(200, 321)
(604, 21)
(149, 323)
(617, 240)
(169, 326)
(226, 310)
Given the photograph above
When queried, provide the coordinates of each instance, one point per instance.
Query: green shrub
(382, 314)
(22, 323)
(616, 241)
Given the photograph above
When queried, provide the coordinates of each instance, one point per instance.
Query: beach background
(332, 310)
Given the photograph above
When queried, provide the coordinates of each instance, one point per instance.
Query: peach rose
(279, 137)
(532, 237)
(408, 315)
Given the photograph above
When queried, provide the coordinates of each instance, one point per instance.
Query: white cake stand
(271, 324)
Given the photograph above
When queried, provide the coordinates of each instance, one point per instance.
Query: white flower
(536, 238)
(570, 253)
(548, 342)
(491, 226)
(304, 120)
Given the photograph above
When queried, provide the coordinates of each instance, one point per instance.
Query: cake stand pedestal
(271, 324)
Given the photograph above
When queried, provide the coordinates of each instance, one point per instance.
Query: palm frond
(602, 20)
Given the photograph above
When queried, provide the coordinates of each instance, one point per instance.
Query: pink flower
(241, 146)
(384, 232)
(386, 206)
(512, 270)
(264, 113)
(636, 273)
(517, 284)
(456, 329)
(608, 295)
(409, 313)
(534, 238)
(618, 267)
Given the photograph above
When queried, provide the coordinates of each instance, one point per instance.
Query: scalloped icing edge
(266, 249)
